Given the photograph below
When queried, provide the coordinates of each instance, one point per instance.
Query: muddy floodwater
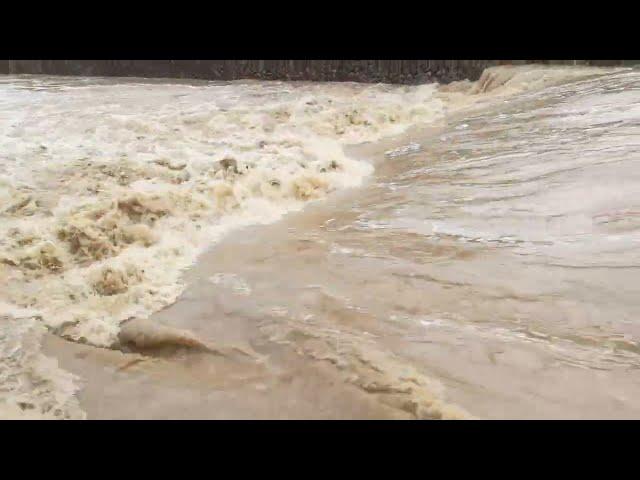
(300, 250)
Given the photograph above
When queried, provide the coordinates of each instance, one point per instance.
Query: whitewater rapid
(111, 188)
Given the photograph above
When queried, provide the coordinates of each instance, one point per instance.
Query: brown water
(488, 269)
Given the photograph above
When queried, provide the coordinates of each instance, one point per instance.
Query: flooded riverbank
(483, 267)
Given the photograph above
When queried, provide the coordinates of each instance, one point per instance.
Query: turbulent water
(515, 222)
